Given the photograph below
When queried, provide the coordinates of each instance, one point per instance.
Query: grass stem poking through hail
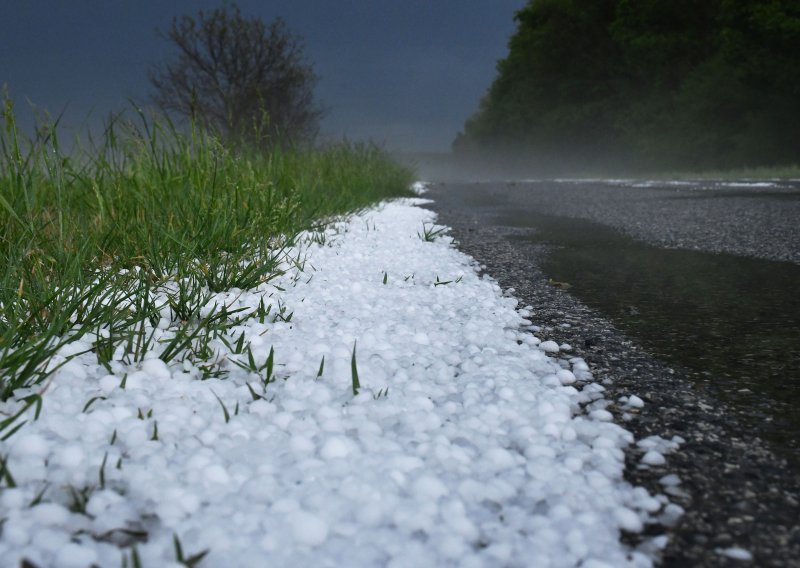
(225, 412)
(354, 372)
(431, 232)
(189, 561)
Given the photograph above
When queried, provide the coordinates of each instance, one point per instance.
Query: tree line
(645, 84)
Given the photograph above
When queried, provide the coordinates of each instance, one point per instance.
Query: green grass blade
(354, 372)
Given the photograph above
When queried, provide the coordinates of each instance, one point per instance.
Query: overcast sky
(404, 73)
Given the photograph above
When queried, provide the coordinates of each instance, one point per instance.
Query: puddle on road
(733, 322)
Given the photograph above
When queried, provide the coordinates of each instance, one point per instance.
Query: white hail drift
(465, 444)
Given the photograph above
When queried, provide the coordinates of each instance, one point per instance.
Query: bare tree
(247, 80)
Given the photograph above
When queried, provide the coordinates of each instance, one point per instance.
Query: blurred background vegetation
(627, 85)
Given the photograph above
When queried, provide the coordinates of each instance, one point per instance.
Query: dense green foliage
(647, 83)
(87, 236)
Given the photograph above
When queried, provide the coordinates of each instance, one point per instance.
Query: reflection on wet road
(733, 321)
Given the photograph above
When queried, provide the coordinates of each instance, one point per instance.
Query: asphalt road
(737, 491)
(755, 219)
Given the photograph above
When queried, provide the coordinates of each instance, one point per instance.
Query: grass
(146, 222)
(431, 232)
(354, 372)
(122, 242)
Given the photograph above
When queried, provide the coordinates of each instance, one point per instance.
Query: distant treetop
(245, 79)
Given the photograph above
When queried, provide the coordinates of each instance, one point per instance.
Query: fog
(493, 165)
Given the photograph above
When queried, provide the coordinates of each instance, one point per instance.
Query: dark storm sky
(404, 73)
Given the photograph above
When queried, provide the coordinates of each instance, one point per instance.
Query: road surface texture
(737, 493)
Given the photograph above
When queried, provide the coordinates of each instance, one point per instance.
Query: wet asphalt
(736, 489)
(755, 219)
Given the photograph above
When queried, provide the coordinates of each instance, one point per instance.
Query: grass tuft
(89, 239)
(431, 232)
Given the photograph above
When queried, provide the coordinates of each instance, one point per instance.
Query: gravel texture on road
(737, 494)
(756, 220)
